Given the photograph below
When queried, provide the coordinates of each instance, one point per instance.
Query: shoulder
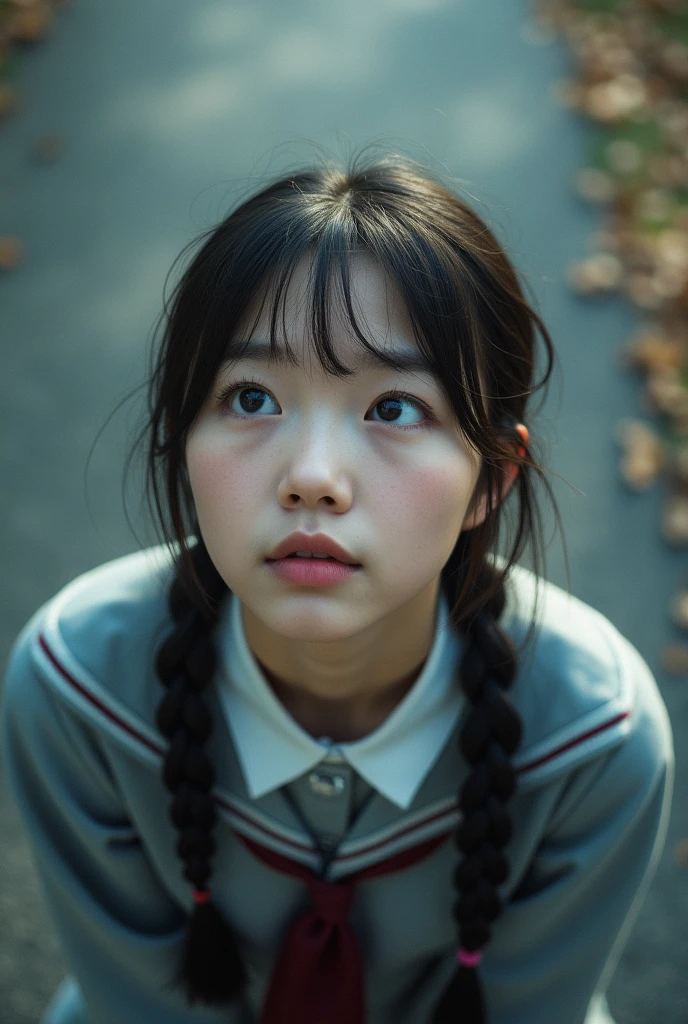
(582, 688)
(93, 645)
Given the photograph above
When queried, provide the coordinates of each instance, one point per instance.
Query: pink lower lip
(312, 572)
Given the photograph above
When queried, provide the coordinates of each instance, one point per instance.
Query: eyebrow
(408, 359)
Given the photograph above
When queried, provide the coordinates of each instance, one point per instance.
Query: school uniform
(83, 760)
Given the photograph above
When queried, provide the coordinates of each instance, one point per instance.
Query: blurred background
(160, 117)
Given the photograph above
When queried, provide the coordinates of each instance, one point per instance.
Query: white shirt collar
(395, 758)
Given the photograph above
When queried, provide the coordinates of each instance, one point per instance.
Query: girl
(266, 787)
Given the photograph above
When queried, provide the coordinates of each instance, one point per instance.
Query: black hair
(471, 320)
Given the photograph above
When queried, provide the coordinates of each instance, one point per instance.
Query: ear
(479, 513)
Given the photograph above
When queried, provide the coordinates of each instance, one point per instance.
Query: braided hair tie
(468, 958)
(201, 895)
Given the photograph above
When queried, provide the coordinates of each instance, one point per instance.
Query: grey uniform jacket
(83, 760)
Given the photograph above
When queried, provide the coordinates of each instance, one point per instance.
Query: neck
(344, 721)
(342, 685)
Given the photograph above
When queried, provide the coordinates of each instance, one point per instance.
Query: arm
(120, 932)
(561, 937)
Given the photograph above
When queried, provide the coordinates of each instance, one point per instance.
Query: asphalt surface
(172, 111)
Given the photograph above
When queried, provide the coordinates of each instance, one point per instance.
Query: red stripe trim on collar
(241, 812)
(364, 850)
(238, 811)
(97, 703)
(575, 742)
(396, 862)
(161, 751)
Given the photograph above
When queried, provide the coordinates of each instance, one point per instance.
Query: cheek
(431, 501)
(223, 486)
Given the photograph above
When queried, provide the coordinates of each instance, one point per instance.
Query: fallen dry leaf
(674, 658)
(49, 147)
(681, 853)
(11, 252)
(32, 23)
(8, 99)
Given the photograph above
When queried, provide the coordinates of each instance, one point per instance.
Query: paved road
(170, 111)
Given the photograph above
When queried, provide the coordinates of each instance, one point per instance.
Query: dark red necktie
(318, 975)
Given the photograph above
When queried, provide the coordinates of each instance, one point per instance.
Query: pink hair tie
(468, 959)
(201, 895)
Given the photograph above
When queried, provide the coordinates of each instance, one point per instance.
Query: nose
(317, 469)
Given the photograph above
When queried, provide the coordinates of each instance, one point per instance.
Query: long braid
(490, 735)
(211, 968)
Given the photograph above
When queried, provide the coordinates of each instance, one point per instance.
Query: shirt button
(326, 783)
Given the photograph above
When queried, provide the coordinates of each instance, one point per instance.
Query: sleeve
(559, 939)
(120, 933)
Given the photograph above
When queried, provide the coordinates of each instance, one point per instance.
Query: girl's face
(300, 450)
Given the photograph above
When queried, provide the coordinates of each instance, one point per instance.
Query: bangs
(328, 297)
